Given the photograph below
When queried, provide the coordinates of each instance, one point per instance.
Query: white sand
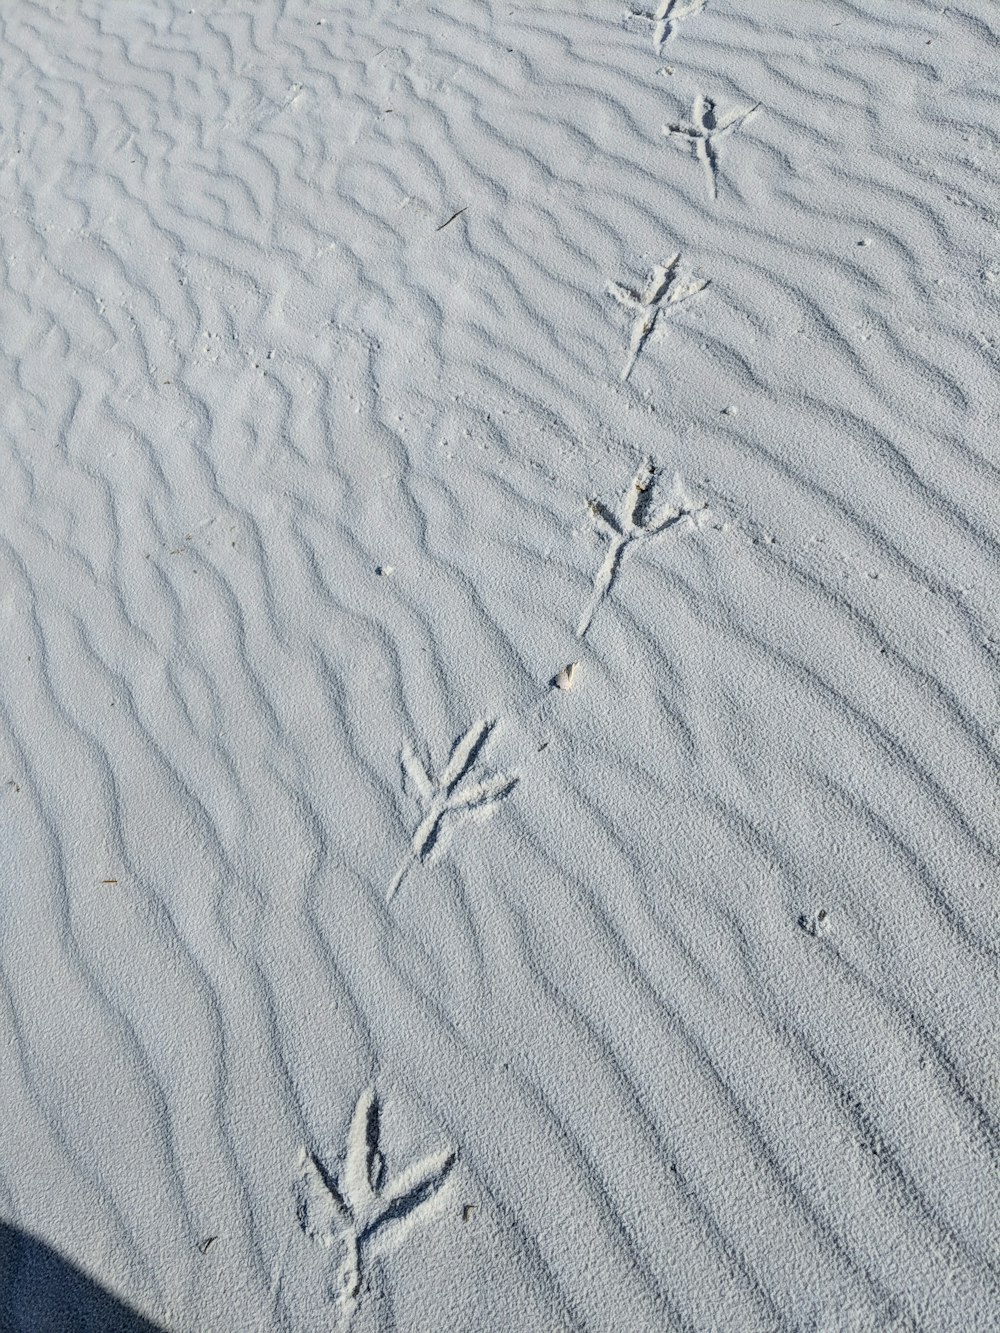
(335, 337)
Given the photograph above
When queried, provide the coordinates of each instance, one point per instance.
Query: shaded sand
(365, 364)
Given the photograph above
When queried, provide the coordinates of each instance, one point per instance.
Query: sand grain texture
(333, 338)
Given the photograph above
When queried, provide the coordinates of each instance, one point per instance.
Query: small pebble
(564, 680)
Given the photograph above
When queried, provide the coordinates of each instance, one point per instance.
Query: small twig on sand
(452, 218)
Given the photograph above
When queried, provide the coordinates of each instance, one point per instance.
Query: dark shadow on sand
(40, 1292)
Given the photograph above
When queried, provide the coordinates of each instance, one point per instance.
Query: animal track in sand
(362, 1215)
(441, 797)
(815, 923)
(703, 133)
(638, 521)
(661, 295)
(665, 17)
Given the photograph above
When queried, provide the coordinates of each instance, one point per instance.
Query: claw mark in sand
(637, 522)
(665, 16)
(704, 132)
(441, 797)
(660, 296)
(361, 1216)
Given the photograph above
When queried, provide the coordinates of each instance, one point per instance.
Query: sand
(366, 365)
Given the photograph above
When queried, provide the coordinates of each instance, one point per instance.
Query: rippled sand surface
(365, 364)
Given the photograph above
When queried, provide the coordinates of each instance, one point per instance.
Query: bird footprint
(362, 1215)
(443, 798)
(663, 292)
(638, 520)
(703, 133)
(666, 15)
